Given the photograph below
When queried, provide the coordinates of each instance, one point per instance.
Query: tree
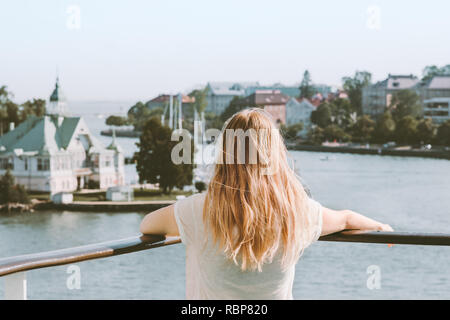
(236, 105)
(291, 131)
(200, 102)
(200, 186)
(363, 128)
(431, 71)
(322, 115)
(342, 113)
(35, 107)
(353, 86)
(306, 88)
(213, 121)
(335, 133)
(406, 130)
(316, 135)
(10, 192)
(405, 103)
(426, 131)
(139, 114)
(10, 112)
(443, 133)
(116, 121)
(385, 128)
(154, 163)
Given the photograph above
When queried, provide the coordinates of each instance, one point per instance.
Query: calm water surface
(411, 194)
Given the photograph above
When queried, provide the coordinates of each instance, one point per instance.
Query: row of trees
(402, 122)
(11, 112)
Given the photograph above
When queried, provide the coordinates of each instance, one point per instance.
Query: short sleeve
(314, 213)
(188, 216)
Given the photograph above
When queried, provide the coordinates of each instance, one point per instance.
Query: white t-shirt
(211, 275)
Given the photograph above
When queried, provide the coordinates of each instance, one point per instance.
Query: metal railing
(14, 268)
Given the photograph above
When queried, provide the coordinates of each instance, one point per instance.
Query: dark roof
(266, 97)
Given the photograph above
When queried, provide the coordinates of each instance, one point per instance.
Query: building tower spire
(57, 101)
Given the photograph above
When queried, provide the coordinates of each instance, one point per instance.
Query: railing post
(16, 286)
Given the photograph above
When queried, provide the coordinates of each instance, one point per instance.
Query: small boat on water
(327, 158)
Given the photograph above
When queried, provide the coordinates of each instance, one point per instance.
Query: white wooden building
(57, 153)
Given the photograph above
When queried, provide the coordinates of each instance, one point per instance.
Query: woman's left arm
(160, 222)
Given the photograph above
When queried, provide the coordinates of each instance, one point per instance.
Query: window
(43, 164)
(26, 164)
(4, 163)
(107, 162)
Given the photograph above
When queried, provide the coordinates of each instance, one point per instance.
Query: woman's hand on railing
(385, 227)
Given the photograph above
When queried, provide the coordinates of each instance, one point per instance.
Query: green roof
(42, 135)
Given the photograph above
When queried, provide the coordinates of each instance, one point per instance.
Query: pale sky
(134, 50)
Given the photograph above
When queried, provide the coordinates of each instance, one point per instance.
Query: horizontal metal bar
(117, 247)
(429, 239)
(76, 254)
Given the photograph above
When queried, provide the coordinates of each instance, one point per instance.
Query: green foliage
(306, 88)
(431, 71)
(36, 107)
(291, 131)
(201, 102)
(116, 121)
(236, 105)
(443, 133)
(200, 186)
(426, 131)
(363, 128)
(405, 103)
(316, 135)
(332, 132)
(322, 115)
(10, 192)
(139, 114)
(154, 163)
(342, 113)
(354, 85)
(406, 130)
(213, 121)
(385, 128)
(335, 133)
(10, 112)
(93, 184)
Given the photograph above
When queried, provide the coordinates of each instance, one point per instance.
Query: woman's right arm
(336, 221)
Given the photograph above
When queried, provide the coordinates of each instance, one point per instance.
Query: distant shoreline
(121, 133)
(435, 154)
(373, 151)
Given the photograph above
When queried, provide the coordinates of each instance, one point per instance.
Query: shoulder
(193, 200)
(188, 216)
(189, 207)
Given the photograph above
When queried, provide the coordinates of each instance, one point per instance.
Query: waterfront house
(220, 94)
(435, 95)
(291, 91)
(272, 101)
(299, 110)
(163, 100)
(377, 97)
(57, 153)
(438, 109)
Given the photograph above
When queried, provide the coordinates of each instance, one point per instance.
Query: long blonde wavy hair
(254, 208)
